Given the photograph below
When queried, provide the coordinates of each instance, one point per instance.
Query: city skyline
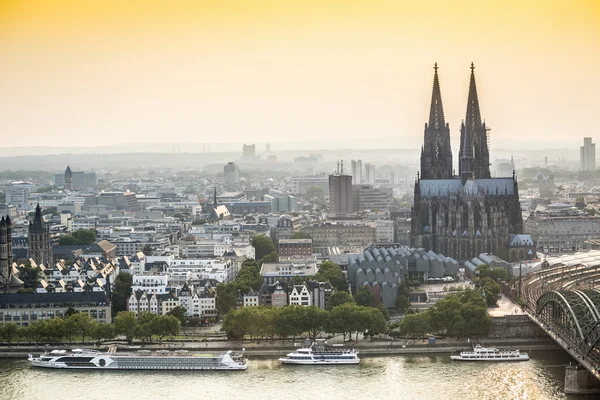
(102, 73)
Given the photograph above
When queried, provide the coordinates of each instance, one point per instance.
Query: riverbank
(273, 349)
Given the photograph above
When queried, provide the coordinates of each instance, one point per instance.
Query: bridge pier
(579, 380)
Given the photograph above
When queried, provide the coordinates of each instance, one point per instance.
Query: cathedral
(9, 283)
(464, 215)
(40, 249)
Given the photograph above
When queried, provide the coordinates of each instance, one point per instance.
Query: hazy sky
(91, 72)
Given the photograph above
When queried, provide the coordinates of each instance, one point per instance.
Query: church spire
(436, 111)
(473, 118)
(474, 151)
(436, 153)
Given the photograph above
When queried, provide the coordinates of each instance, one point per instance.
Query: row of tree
(294, 321)
(79, 326)
(463, 314)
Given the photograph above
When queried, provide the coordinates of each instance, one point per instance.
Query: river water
(380, 378)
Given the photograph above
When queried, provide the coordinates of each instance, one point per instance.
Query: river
(398, 377)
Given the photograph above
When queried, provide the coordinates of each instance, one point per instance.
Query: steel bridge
(563, 300)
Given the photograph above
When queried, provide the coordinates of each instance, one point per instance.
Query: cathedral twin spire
(436, 156)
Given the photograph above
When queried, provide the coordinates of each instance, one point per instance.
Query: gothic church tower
(39, 240)
(436, 153)
(474, 158)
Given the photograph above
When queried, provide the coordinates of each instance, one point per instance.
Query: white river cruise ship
(319, 353)
(481, 353)
(142, 359)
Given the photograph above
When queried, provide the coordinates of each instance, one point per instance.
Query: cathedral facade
(463, 215)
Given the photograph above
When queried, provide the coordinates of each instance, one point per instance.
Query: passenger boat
(481, 353)
(142, 359)
(320, 353)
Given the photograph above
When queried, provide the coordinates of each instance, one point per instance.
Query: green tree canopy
(226, 298)
(126, 324)
(147, 250)
(338, 298)
(263, 245)
(364, 297)
(30, 276)
(271, 257)
(79, 237)
(330, 271)
(499, 273)
(121, 292)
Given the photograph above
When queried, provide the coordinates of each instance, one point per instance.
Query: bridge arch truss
(574, 316)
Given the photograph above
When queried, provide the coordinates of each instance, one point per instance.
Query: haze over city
(314, 74)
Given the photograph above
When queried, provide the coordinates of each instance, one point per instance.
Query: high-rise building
(588, 155)
(466, 215)
(39, 249)
(231, 173)
(369, 175)
(340, 192)
(504, 168)
(17, 194)
(356, 171)
(249, 151)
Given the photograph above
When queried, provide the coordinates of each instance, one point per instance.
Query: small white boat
(319, 353)
(481, 353)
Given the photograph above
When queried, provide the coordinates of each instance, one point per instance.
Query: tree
(226, 298)
(179, 313)
(329, 271)
(125, 324)
(484, 271)
(79, 237)
(313, 192)
(490, 290)
(301, 235)
(98, 332)
(287, 322)
(30, 276)
(263, 245)
(364, 297)
(338, 298)
(147, 250)
(499, 273)
(9, 331)
(70, 311)
(313, 320)
(120, 294)
(402, 303)
(384, 311)
(271, 257)
(414, 325)
(80, 323)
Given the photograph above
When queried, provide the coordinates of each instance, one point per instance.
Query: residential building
(251, 298)
(301, 184)
(384, 231)
(286, 271)
(26, 308)
(339, 234)
(151, 283)
(588, 155)
(294, 247)
(231, 197)
(106, 201)
(320, 293)
(300, 296)
(367, 197)
(8, 281)
(562, 231)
